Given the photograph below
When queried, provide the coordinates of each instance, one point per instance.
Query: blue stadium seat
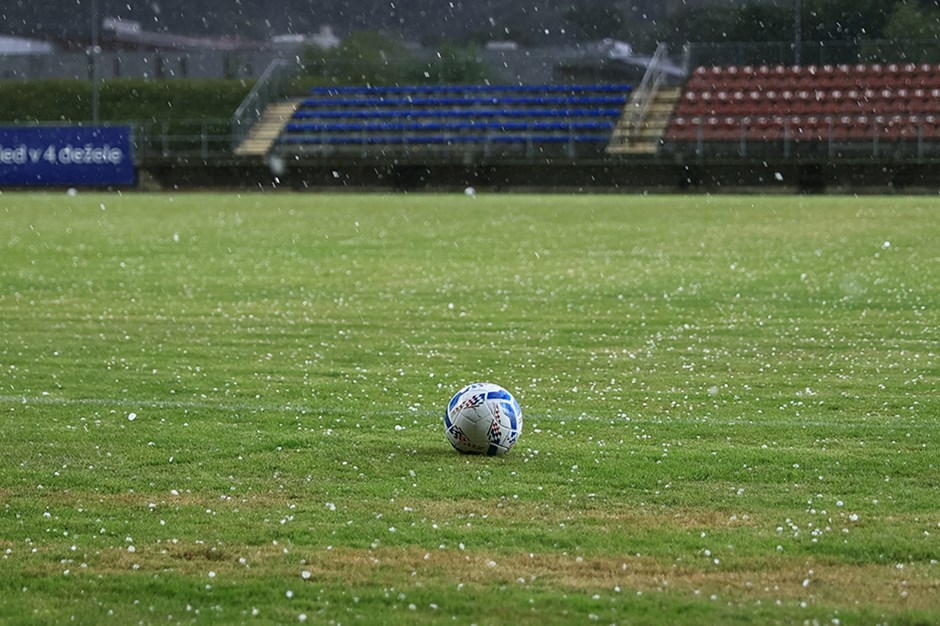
(464, 100)
(377, 113)
(347, 127)
(456, 115)
(417, 89)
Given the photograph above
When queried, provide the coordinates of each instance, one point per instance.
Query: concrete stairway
(646, 139)
(267, 129)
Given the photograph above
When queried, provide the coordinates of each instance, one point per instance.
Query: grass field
(224, 409)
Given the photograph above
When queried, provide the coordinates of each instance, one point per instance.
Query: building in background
(21, 45)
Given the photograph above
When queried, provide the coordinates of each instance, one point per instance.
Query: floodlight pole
(94, 62)
(797, 27)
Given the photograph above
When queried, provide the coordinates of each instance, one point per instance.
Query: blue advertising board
(66, 155)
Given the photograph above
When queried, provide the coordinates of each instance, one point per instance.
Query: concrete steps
(647, 138)
(266, 130)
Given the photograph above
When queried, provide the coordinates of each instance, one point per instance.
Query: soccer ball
(483, 418)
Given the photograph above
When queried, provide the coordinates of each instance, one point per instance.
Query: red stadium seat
(814, 102)
(894, 128)
(909, 126)
(929, 127)
(841, 127)
(683, 129)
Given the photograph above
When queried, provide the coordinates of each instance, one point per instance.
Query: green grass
(731, 408)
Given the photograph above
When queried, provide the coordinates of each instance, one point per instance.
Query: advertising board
(66, 156)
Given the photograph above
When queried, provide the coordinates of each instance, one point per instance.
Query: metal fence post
(699, 140)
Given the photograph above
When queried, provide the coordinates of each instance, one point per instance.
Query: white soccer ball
(483, 418)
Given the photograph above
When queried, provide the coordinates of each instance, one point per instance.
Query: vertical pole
(94, 62)
(743, 149)
(797, 27)
(699, 139)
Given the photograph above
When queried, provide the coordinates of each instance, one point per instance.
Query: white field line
(308, 409)
(168, 404)
(300, 409)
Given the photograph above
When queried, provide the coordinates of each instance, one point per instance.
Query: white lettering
(13, 156)
(90, 155)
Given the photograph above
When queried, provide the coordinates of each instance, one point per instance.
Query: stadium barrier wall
(569, 176)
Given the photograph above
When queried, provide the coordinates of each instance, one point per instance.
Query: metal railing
(270, 86)
(204, 139)
(458, 150)
(877, 137)
(831, 137)
(645, 94)
(201, 138)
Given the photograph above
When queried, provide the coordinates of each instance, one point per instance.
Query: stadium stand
(841, 103)
(521, 119)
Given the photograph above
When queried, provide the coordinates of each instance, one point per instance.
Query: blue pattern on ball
(483, 418)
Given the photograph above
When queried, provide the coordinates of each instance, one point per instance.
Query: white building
(21, 45)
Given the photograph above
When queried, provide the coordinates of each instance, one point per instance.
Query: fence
(151, 64)
(811, 53)
(203, 139)
(887, 138)
(525, 65)
(543, 64)
(214, 139)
